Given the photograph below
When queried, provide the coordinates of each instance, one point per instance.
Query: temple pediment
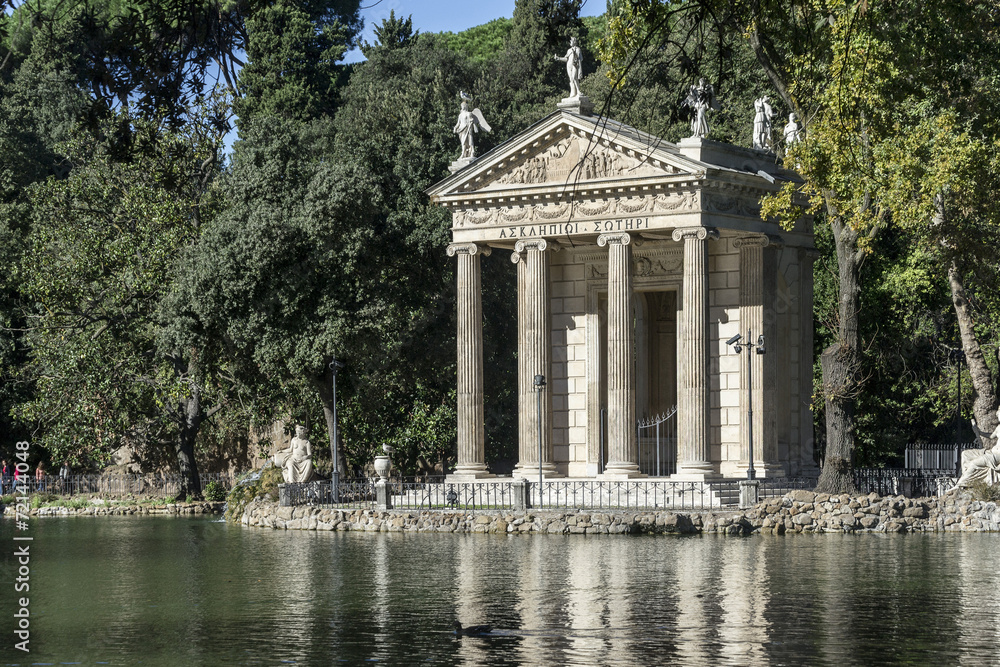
(566, 150)
(575, 175)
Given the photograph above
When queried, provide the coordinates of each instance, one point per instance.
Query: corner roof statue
(468, 123)
(792, 130)
(574, 67)
(763, 115)
(701, 98)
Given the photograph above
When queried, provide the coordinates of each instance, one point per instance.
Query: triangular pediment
(568, 150)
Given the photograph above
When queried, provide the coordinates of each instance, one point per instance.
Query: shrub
(985, 492)
(215, 492)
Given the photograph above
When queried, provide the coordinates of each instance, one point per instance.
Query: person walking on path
(40, 477)
(64, 478)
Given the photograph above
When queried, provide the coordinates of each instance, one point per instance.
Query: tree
(101, 247)
(849, 70)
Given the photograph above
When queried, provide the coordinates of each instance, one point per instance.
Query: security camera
(734, 339)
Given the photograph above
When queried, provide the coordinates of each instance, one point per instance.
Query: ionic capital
(618, 238)
(700, 233)
(468, 249)
(755, 241)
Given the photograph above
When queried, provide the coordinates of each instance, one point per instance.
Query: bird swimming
(472, 630)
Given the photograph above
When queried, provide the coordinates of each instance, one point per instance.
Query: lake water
(193, 591)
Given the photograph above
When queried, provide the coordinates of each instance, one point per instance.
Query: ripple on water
(192, 591)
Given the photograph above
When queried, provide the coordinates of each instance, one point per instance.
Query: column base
(529, 471)
(761, 470)
(621, 471)
(695, 473)
(468, 473)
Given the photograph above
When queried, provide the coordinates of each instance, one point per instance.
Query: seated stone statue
(982, 465)
(295, 461)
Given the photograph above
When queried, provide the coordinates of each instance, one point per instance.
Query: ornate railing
(420, 495)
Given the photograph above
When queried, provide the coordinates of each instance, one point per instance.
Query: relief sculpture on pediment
(575, 158)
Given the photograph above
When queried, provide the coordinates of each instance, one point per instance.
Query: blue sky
(446, 15)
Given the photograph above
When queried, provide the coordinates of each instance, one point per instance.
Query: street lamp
(335, 477)
(539, 386)
(958, 356)
(739, 344)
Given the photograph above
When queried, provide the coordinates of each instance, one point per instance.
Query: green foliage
(292, 62)
(482, 43)
(215, 491)
(100, 250)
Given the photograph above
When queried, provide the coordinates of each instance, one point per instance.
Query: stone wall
(123, 510)
(797, 512)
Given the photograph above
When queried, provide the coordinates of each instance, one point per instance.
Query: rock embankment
(125, 510)
(797, 512)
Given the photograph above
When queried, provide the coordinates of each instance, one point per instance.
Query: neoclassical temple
(637, 259)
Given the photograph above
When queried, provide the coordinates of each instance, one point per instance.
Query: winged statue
(701, 98)
(468, 123)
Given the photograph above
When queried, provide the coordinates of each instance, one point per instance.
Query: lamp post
(958, 356)
(739, 344)
(539, 386)
(335, 476)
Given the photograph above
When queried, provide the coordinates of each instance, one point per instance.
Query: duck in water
(472, 630)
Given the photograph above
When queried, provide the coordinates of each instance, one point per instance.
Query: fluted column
(471, 425)
(758, 286)
(623, 447)
(534, 345)
(694, 456)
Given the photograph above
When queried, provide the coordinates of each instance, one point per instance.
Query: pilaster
(471, 423)
(694, 455)
(623, 447)
(758, 287)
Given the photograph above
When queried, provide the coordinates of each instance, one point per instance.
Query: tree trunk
(186, 463)
(985, 405)
(840, 368)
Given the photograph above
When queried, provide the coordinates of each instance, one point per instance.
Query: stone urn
(382, 466)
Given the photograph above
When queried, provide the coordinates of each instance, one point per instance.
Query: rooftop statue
(468, 123)
(701, 98)
(792, 130)
(985, 465)
(763, 115)
(574, 66)
(296, 459)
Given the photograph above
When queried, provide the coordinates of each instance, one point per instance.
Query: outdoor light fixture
(335, 476)
(539, 386)
(739, 343)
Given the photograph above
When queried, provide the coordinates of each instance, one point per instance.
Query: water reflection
(188, 591)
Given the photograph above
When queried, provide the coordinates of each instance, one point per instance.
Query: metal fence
(420, 495)
(912, 483)
(115, 485)
(658, 444)
(935, 456)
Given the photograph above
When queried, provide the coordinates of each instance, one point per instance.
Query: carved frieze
(605, 208)
(716, 203)
(646, 265)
